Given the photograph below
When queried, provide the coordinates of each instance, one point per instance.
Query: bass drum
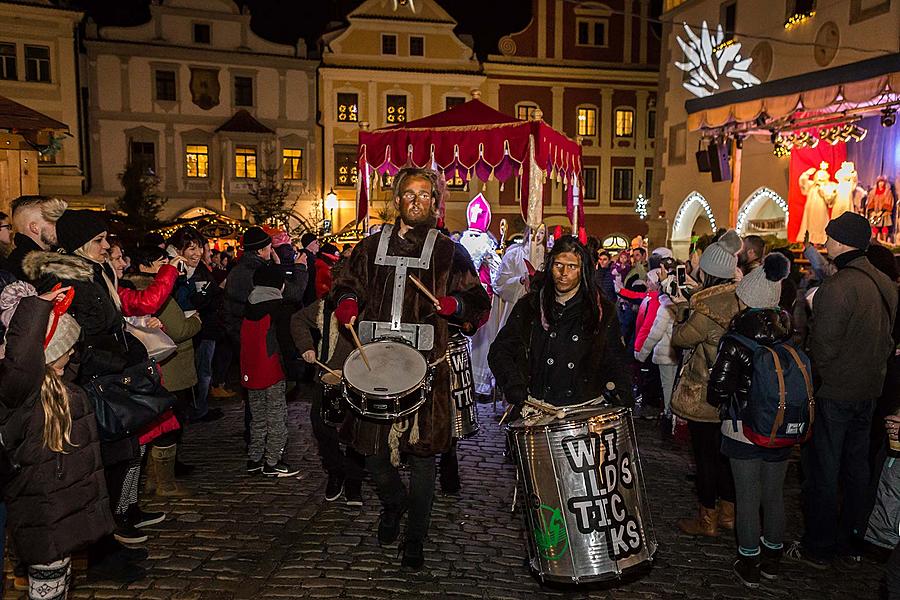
(463, 411)
(587, 512)
(397, 384)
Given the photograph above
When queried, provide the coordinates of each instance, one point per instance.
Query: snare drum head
(330, 379)
(396, 369)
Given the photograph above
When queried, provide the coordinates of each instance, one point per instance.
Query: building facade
(393, 62)
(195, 96)
(38, 69)
(782, 39)
(591, 68)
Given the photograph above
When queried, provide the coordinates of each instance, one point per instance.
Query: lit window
(623, 188)
(345, 168)
(245, 163)
(591, 32)
(292, 161)
(37, 63)
(624, 123)
(165, 85)
(196, 158)
(243, 91)
(388, 43)
(590, 183)
(525, 112)
(396, 109)
(416, 45)
(587, 121)
(348, 107)
(651, 125)
(452, 101)
(8, 62)
(201, 33)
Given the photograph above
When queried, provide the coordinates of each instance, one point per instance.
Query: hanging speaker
(702, 161)
(719, 163)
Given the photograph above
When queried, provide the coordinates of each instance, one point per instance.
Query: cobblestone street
(242, 537)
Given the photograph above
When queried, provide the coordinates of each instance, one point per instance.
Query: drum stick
(547, 408)
(425, 291)
(330, 370)
(359, 345)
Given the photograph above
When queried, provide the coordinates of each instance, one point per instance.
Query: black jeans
(392, 492)
(714, 480)
(837, 456)
(349, 465)
(892, 575)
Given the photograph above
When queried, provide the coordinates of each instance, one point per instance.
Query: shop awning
(18, 118)
(868, 81)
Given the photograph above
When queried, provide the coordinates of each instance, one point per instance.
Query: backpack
(781, 409)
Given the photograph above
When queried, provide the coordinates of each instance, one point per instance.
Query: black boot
(449, 469)
(413, 555)
(770, 563)
(389, 523)
(747, 570)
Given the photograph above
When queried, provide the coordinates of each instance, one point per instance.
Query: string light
(694, 197)
(798, 18)
(754, 199)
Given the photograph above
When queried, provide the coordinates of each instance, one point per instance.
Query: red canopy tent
(474, 140)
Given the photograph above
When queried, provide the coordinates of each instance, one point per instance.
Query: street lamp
(331, 203)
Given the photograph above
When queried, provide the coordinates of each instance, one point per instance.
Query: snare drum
(396, 386)
(332, 408)
(587, 512)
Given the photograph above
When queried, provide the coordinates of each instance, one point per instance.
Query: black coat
(564, 364)
(23, 245)
(57, 502)
(207, 301)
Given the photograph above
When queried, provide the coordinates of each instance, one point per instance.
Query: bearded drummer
(561, 344)
(364, 293)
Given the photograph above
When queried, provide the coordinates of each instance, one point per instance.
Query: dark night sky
(286, 20)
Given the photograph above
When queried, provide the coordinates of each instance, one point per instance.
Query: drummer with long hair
(378, 271)
(561, 343)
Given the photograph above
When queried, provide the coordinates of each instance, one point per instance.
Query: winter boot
(726, 515)
(166, 486)
(747, 570)
(148, 474)
(770, 564)
(703, 524)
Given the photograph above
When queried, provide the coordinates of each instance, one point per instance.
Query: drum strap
(401, 264)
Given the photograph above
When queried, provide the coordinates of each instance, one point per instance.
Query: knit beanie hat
(268, 276)
(255, 239)
(850, 229)
(761, 287)
(720, 258)
(75, 228)
(63, 332)
(307, 238)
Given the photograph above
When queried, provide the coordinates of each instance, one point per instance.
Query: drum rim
(392, 396)
(613, 413)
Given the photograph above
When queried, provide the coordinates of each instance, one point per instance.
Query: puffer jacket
(711, 311)
(733, 371)
(658, 341)
(645, 317)
(148, 301)
(58, 502)
(178, 370)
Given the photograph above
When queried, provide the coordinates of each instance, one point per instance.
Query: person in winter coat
(850, 341)
(198, 291)
(325, 260)
(309, 248)
(57, 503)
(603, 276)
(179, 375)
(137, 303)
(34, 219)
(657, 344)
(758, 471)
(561, 343)
(708, 315)
(266, 322)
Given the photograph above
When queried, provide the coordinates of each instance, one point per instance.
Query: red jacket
(260, 352)
(323, 274)
(137, 303)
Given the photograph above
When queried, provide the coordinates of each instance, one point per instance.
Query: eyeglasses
(6, 226)
(571, 267)
(424, 196)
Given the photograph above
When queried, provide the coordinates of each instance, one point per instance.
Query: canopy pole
(735, 190)
(535, 194)
(576, 201)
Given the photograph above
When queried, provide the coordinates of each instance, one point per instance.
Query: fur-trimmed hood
(62, 266)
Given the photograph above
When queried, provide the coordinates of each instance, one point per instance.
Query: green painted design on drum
(551, 538)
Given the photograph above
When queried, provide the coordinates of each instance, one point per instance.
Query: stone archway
(764, 212)
(692, 208)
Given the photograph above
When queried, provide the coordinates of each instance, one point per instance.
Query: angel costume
(820, 194)
(849, 193)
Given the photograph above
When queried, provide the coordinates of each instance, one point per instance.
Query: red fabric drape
(801, 160)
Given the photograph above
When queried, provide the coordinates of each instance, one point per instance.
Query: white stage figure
(482, 247)
(820, 194)
(849, 193)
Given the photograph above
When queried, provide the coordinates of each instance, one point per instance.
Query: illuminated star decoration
(710, 63)
(640, 206)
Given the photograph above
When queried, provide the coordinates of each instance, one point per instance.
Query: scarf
(107, 273)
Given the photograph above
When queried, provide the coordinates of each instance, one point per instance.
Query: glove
(346, 309)
(448, 307)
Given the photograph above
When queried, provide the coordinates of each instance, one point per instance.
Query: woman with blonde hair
(56, 500)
